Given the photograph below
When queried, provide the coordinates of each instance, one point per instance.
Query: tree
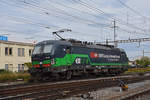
(144, 61)
(28, 64)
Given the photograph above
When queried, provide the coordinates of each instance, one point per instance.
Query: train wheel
(68, 75)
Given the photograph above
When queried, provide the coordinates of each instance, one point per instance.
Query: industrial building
(13, 55)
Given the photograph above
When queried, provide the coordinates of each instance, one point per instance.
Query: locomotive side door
(68, 57)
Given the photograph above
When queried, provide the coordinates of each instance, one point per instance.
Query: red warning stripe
(46, 65)
(36, 66)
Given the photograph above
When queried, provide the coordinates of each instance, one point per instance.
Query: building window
(30, 52)
(9, 67)
(6, 67)
(21, 52)
(20, 67)
(8, 51)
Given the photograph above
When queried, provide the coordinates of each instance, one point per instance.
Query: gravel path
(104, 93)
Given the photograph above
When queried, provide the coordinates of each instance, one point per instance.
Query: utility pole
(114, 27)
(106, 41)
(143, 53)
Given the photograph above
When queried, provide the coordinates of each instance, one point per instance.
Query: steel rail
(57, 90)
(131, 94)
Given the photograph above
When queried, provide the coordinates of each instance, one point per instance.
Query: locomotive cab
(43, 57)
(42, 54)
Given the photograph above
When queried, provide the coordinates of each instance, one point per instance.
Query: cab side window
(68, 50)
(123, 57)
(60, 51)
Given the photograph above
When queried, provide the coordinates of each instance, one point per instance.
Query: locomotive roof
(79, 43)
(54, 42)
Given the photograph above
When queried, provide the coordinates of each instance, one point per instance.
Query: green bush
(144, 61)
(11, 77)
(2, 70)
(137, 70)
(28, 64)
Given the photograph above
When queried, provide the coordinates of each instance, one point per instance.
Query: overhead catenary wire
(143, 30)
(33, 9)
(51, 14)
(44, 13)
(43, 10)
(34, 2)
(24, 20)
(53, 7)
(133, 32)
(70, 7)
(103, 12)
(61, 11)
(28, 21)
(107, 15)
(133, 10)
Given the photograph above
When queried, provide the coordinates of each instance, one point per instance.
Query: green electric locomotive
(65, 58)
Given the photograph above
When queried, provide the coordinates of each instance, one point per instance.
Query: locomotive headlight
(52, 61)
(41, 63)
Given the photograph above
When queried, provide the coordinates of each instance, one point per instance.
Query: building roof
(16, 43)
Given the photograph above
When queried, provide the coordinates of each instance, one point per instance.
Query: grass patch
(12, 77)
(137, 70)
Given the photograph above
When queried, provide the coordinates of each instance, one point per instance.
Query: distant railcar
(63, 59)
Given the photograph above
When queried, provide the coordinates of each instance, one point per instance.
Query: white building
(13, 55)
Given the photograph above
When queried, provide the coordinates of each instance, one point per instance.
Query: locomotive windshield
(43, 49)
(47, 48)
(37, 49)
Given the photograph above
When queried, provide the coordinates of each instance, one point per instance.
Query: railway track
(7, 86)
(132, 94)
(64, 89)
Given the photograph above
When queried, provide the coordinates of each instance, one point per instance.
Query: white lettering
(109, 56)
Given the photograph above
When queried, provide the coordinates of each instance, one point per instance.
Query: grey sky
(90, 20)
